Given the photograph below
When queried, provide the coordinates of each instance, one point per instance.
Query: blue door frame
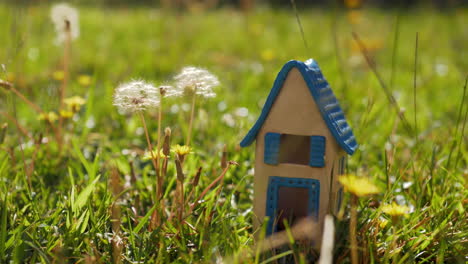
(275, 182)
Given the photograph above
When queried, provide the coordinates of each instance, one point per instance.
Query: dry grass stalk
(387, 92)
(352, 230)
(21, 129)
(224, 157)
(10, 87)
(194, 183)
(180, 189)
(166, 149)
(192, 117)
(117, 243)
(66, 76)
(212, 184)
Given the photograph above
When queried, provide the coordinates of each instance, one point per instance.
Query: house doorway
(291, 199)
(290, 206)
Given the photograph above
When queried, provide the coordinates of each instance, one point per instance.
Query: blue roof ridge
(324, 97)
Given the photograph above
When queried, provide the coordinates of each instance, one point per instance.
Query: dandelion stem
(192, 117)
(155, 216)
(158, 146)
(66, 68)
(352, 229)
(148, 141)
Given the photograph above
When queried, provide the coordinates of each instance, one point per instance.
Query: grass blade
(84, 195)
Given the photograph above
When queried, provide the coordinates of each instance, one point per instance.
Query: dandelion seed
(395, 210)
(50, 116)
(65, 18)
(196, 80)
(136, 96)
(358, 186)
(74, 103)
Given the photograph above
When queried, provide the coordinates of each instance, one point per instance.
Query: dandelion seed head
(169, 91)
(136, 96)
(65, 17)
(196, 80)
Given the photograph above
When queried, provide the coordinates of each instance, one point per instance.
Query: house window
(294, 149)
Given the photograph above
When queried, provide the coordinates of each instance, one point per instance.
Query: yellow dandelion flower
(395, 210)
(358, 186)
(74, 103)
(84, 80)
(50, 116)
(66, 114)
(58, 75)
(382, 223)
(149, 155)
(267, 55)
(181, 150)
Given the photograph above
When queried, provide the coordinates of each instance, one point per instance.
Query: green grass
(66, 216)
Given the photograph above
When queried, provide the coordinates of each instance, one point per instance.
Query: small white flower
(61, 15)
(196, 80)
(136, 96)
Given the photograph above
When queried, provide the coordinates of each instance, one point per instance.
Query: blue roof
(324, 98)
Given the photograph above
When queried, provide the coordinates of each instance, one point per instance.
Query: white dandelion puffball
(136, 96)
(61, 15)
(196, 80)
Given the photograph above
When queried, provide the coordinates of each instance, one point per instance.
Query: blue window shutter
(272, 146)
(317, 151)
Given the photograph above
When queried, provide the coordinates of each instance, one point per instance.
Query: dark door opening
(291, 206)
(291, 199)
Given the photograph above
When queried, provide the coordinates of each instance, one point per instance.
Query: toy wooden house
(302, 139)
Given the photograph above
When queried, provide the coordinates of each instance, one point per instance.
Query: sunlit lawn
(66, 215)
